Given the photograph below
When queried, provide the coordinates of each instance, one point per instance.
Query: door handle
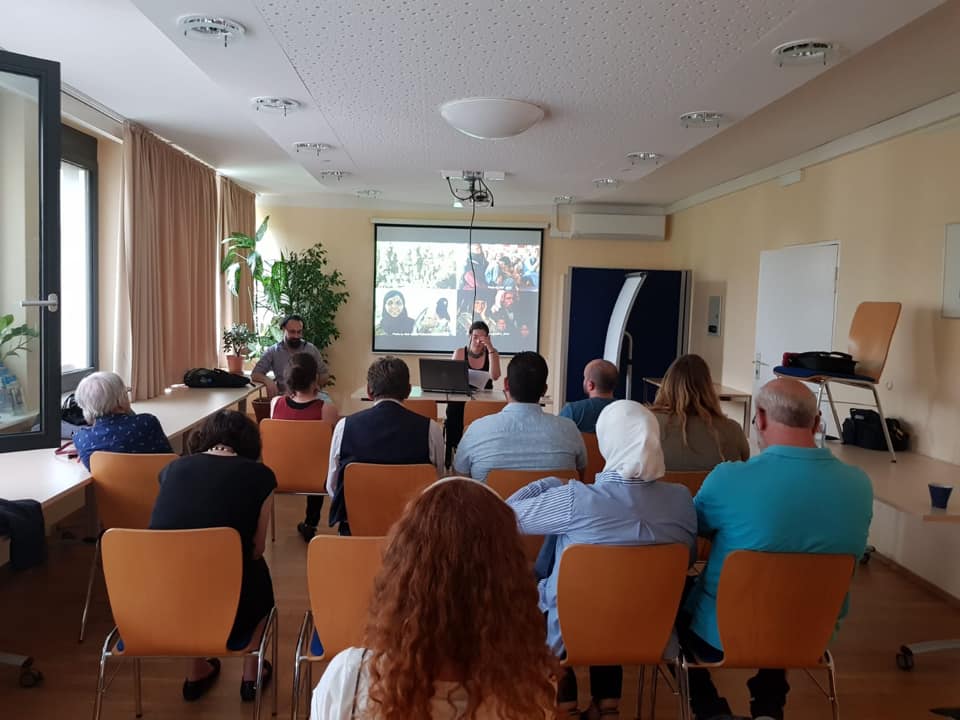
(52, 303)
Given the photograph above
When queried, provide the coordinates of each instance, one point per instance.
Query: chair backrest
(507, 482)
(780, 609)
(376, 495)
(126, 487)
(595, 461)
(692, 479)
(173, 592)
(474, 409)
(340, 574)
(298, 452)
(261, 409)
(871, 332)
(427, 408)
(617, 605)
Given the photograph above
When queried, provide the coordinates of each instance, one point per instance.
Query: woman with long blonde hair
(694, 432)
(454, 629)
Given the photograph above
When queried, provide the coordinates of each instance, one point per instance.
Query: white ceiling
(612, 75)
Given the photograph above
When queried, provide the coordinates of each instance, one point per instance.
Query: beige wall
(347, 234)
(887, 207)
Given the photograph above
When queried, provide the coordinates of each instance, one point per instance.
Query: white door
(795, 308)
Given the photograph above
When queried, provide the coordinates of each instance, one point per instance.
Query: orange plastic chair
(474, 409)
(174, 593)
(125, 486)
(692, 479)
(595, 461)
(340, 575)
(298, 452)
(617, 605)
(779, 610)
(871, 332)
(507, 482)
(426, 408)
(376, 495)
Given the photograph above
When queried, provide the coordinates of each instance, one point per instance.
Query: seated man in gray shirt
(277, 357)
(521, 436)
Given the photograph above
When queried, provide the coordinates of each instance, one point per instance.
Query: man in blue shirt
(599, 381)
(793, 497)
(521, 436)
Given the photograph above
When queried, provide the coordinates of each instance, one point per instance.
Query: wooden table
(181, 409)
(726, 394)
(418, 393)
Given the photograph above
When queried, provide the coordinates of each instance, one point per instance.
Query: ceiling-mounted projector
(473, 174)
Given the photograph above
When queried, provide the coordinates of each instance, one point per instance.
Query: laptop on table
(445, 376)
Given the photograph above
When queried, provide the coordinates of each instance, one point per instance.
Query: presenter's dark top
(205, 491)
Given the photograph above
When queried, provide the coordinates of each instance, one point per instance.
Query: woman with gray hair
(114, 427)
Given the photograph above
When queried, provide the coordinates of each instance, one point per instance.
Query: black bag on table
(863, 429)
(837, 363)
(213, 378)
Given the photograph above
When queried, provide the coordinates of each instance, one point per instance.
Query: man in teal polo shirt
(793, 497)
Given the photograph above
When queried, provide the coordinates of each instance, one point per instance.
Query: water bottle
(16, 395)
(5, 405)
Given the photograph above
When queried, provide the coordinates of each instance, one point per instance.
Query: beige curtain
(237, 213)
(167, 262)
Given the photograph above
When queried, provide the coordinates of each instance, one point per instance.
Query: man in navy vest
(386, 434)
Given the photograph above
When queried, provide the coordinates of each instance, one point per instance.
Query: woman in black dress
(222, 484)
(478, 354)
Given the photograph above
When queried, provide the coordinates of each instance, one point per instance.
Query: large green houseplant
(296, 283)
(14, 339)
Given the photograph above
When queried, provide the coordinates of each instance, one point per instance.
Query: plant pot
(235, 364)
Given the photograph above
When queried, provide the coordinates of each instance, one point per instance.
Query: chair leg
(683, 684)
(137, 688)
(883, 424)
(653, 692)
(832, 683)
(86, 605)
(273, 520)
(101, 675)
(833, 407)
(298, 665)
(641, 677)
(276, 640)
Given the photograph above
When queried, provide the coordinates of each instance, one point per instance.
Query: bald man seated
(793, 497)
(600, 379)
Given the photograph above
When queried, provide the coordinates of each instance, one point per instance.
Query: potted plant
(18, 337)
(236, 344)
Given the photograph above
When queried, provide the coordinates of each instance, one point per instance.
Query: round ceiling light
(701, 119)
(490, 118)
(275, 104)
(204, 27)
(337, 175)
(563, 199)
(369, 194)
(640, 156)
(606, 182)
(804, 52)
(317, 147)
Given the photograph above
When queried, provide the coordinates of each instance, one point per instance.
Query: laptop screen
(444, 375)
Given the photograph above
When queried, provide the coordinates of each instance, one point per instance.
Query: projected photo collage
(428, 293)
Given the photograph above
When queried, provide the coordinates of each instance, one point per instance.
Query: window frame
(80, 149)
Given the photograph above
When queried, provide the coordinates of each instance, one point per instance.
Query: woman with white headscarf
(627, 505)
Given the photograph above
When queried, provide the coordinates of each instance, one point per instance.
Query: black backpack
(70, 412)
(213, 378)
(828, 362)
(863, 429)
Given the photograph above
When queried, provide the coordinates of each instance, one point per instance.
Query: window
(78, 257)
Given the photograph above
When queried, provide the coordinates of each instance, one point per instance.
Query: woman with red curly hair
(454, 630)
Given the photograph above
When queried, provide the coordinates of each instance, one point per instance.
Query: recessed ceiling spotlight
(275, 104)
(804, 52)
(563, 199)
(317, 147)
(457, 204)
(204, 27)
(333, 175)
(701, 118)
(370, 194)
(640, 156)
(490, 118)
(606, 182)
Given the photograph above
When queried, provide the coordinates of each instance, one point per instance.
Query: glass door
(29, 252)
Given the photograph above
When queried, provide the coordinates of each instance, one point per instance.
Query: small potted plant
(236, 340)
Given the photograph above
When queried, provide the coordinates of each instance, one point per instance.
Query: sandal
(248, 688)
(196, 689)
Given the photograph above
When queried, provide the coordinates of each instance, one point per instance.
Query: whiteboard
(620, 315)
(951, 273)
